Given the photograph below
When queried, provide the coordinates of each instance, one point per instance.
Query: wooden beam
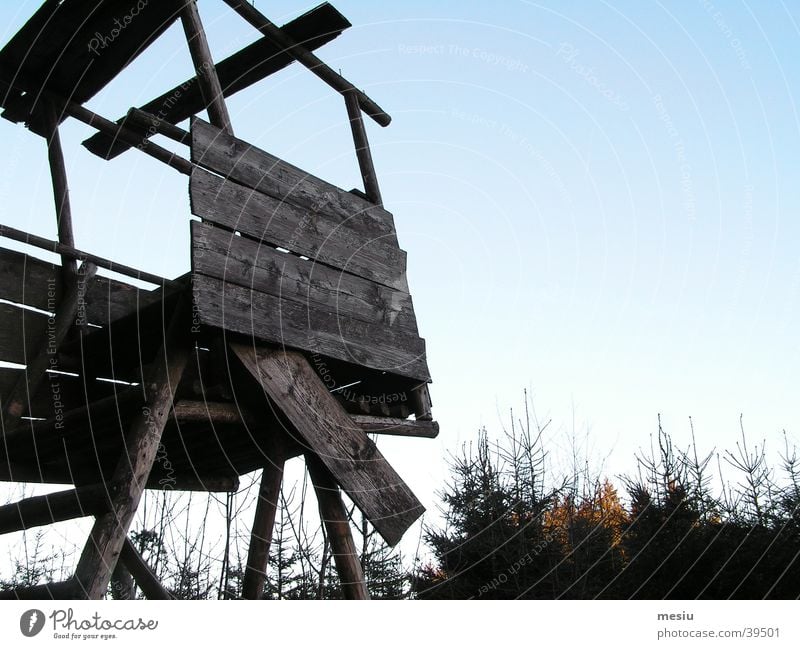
(51, 340)
(311, 61)
(122, 585)
(144, 145)
(353, 459)
(208, 411)
(110, 530)
(58, 174)
(204, 66)
(53, 590)
(153, 124)
(363, 153)
(74, 253)
(421, 403)
(241, 70)
(393, 426)
(334, 516)
(55, 507)
(142, 574)
(261, 535)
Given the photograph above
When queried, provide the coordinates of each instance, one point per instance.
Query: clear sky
(599, 202)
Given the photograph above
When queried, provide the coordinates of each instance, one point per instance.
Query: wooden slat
(61, 48)
(351, 457)
(268, 318)
(245, 262)
(326, 239)
(240, 70)
(34, 282)
(245, 164)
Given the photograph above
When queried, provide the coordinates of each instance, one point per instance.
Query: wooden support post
(311, 61)
(110, 530)
(421, 403)
(142, 574)
(261, 536)
(51, 340)
(363, 153)
(334, 516)
(207, 77)
(58, 173)
(122, 585)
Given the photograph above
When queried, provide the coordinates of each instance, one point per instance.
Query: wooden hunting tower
(293, 334)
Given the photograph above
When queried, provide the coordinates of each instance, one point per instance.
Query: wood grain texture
(247, 165)
(268, 318)
(345, 450)
(242, 261)
(353, 245)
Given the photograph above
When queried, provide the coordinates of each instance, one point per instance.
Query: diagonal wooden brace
(344, 449)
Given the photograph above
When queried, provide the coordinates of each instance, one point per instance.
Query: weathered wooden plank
(50, 339)
(20, 333)
(55, 507)
(110, 530)
(255, 573)
(334, 516)
(245, 164)
(319, 236)
(54, 590)
(394, 426)
(240, 70)
(268, 318)
(37, 283)
(350, 456)
(239, 260)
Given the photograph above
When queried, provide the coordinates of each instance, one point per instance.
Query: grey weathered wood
(352, 245)
(261, 535)
(46, 356)
(421, 403)
(334, 516)
(240, 70)
(83, 114)
(34, 282)
(363, 153)
(245, 164)
(267, 318)
(207, 78)
(141, 572)
(55, 507)
(210, 411)
(122, 584)
(110, 530)
(352, 458)
(147, 121)
(394, 426)
(58, 175)
(74, 253)
(311, 61)
(245, 262)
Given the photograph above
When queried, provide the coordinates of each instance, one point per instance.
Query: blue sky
(599, 202)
